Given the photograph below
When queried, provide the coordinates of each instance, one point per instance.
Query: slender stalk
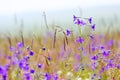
(64, 44)
(54, 38)
(45, 19)
(10, 42)
(22, 38)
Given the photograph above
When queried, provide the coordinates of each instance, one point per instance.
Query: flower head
(90, 20)
(68, 32)
(39, 65)
(80, 22)
(31, 53)
(93, 27)
(74, 18)
(80, 39)
(32, 71)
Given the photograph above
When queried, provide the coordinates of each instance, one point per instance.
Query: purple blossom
(106, 53)
(56, 77)
(93, 27)
(32, 71)
(43, 49)
(90, 20)
(31, 53)
(91, 36)
(20, 44)
(47, 76)
(49, 58)
(80, 22)
(95, 57)
(110, 64)
(93, 49)
(39, 65)
(4, 77)
(118, 66)
(80, 40)
(74, 18)
(68, 32)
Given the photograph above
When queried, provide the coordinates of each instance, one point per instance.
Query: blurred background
(28, 14)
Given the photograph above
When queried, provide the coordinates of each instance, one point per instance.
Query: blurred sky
(12, 6)
(57, 11)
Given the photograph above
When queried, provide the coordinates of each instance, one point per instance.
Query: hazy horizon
(33, 18)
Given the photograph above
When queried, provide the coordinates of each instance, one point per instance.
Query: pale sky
(17, 6)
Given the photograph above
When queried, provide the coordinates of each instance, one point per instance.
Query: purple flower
(74, 18)
(93, 27)
(80, 40)
(68, 32)
(93, 49)
(31, 53)
(20, 44)
(118, 66)
(106, 53)
(56, 77)
(110, 64)
(90, 20)
(47, 76)
(80, 22)
(32, 71)
(4, 77)
(95, 57)
(43, 49)
(39, 65)
(91, 36)
(49, 58)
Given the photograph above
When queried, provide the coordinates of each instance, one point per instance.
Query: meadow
(62, 55)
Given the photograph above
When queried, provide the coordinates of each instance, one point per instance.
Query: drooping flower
(80, 22)
(68, 32)
(93, 27)
(90, 20)
(74, 18)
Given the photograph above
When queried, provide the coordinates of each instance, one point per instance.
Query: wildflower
(56, 77)
(91, 36)
(74, 18)
(32, 71)
(93, 49)
(43, 49)
(118, 66)
(80, 22)
(80, 40)
(20, 44)
(110, 64)
(4, 77)
(47, 76)
(95, 57)
(90, 20)
(106, 53)
(93, 27)
(31, 53)
(49, 58)
(93, 76)
(68, 32)
(39, 65)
